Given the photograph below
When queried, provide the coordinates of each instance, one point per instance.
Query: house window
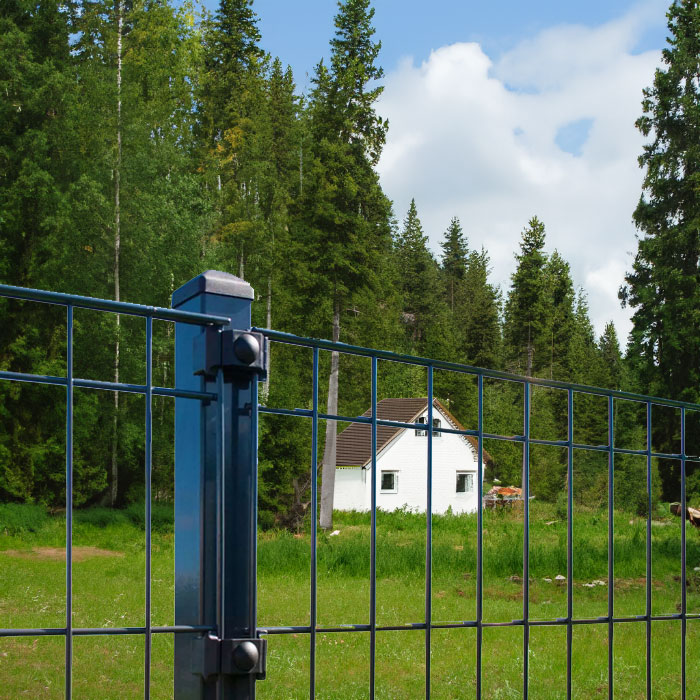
(390, 482)
(465, 482)
(423, 422)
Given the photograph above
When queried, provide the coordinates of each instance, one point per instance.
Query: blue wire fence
(70, 382)
(526, 622)
(427, 624)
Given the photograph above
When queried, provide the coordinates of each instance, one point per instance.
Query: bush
(16, 518)
(162, 516)
(99, 517)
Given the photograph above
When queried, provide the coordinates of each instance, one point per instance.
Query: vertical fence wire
(373, 540)
(648, 558)
(611, 542)
(69, 503)
(684, 574)
(526, 542)
(480, 536)
(569, 538)
(314, 525)
(253, 515)
(429, 537)
(149, 469)
(221, 461)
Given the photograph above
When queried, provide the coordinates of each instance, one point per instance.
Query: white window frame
(396, 481)
(467, 481)
(423, 430)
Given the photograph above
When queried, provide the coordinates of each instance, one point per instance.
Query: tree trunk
(117, 250)
(265, 393)
(329, 452)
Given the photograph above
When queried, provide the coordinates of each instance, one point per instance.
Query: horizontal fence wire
(290, 339)
(527, 440)
(142, 389)
(118, 307)
(99, 631)
(70, 382)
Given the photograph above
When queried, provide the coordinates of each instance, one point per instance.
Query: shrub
(99, 517)
(162, 516)
(16, 518)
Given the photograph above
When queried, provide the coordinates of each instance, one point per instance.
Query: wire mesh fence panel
(79, 616)
(486, 535)
(565, 553)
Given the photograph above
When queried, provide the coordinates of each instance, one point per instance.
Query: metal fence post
(215, 495)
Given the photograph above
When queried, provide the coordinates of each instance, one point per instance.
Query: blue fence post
(215, 494)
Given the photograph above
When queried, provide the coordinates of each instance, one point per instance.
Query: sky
(499, 111)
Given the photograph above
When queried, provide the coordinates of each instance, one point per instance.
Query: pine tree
(280, 134)
(560, 318)
(526, 312)
(36, 173)
(478, 315)
(454, 258)
(612, 375)
(232, 96)
(232, 53)
(346, 215)
(35, 133)
(134, 120)
(418, 279)
(663, 287)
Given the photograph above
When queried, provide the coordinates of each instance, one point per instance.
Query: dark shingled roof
(354, 446)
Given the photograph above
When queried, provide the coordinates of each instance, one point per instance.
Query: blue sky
(503, 110)
(298, 31)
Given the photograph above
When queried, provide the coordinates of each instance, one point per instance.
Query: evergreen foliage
(141, 143)
(419, 280)
(454, 258)
(526, 319)
(663, 286)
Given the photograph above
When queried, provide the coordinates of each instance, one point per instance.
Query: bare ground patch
(59, 553)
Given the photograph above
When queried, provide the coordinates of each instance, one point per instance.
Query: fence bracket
(212, 657)
(230, 350)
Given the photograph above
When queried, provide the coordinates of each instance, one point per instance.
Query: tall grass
(401, 541)
(24, 526)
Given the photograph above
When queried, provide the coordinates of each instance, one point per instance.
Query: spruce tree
(345, 213)
(231, 93)
(612, 375)
(418, 279)
(454, 259)
(560, 319)
(527, 311)
(477, 317)
(663, 286)
(37, 169)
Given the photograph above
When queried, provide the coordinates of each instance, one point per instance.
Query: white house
(402, 458)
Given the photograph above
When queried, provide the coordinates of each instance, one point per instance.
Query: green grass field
(109, 591)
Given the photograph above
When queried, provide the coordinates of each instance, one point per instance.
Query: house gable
(354, 443)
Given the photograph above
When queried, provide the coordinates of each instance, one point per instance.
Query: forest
(144, 141)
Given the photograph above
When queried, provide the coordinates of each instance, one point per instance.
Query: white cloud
(476, 139)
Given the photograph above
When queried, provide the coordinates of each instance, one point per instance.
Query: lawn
(109, 591)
